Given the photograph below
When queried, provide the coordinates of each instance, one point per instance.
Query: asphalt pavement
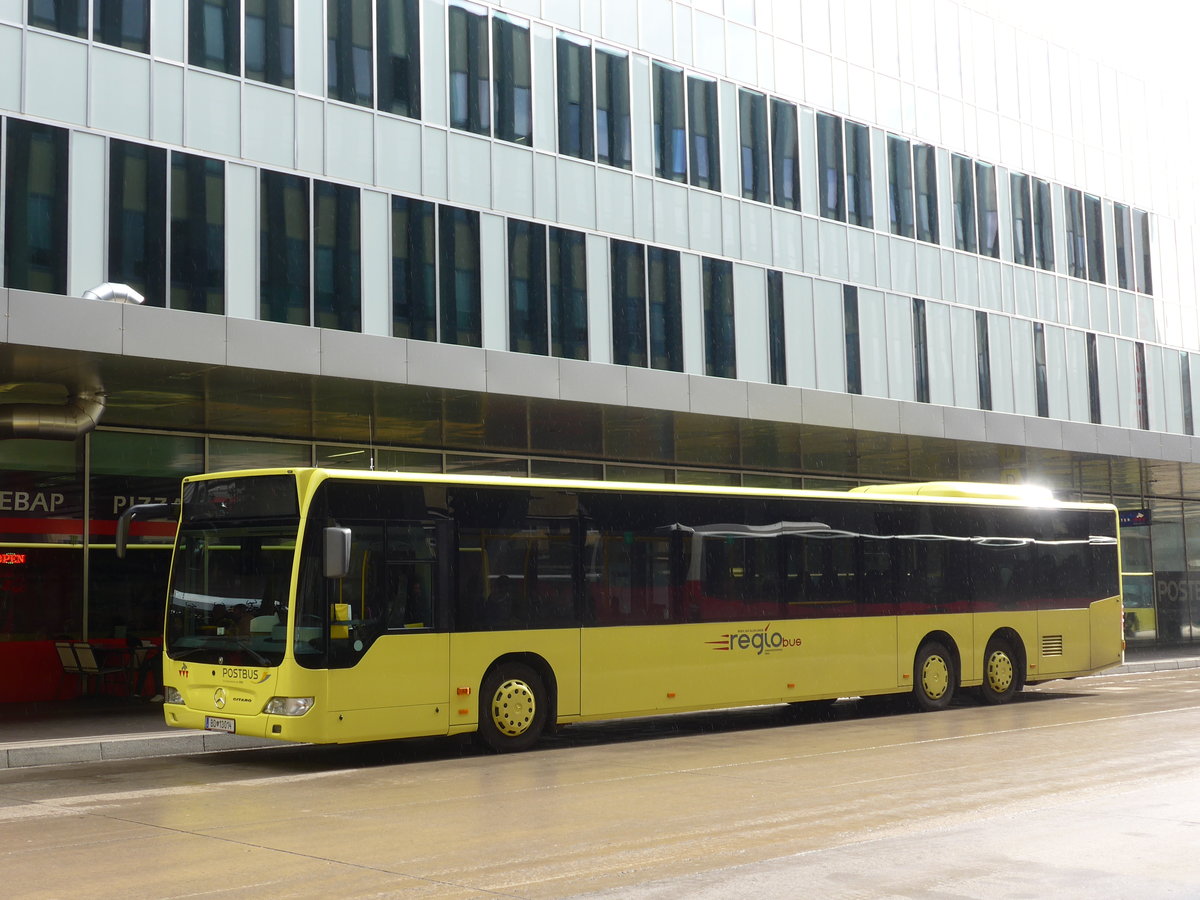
(103, 728)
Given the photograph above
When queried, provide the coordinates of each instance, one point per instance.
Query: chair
(90, 668)
(70, 663)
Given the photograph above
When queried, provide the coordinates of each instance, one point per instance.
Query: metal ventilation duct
(75, 418)
(114, 292)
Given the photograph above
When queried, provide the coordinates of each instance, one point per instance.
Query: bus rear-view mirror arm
(142, 511)
(337, 552)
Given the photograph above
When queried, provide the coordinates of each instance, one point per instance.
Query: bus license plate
(212, 723)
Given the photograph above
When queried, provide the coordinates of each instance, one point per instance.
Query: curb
(63, 751)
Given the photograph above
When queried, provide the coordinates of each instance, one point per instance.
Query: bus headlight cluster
(172, 695)
(288, 706)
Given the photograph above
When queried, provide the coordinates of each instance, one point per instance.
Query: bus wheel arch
(936, 668)
(517, 700)
(1004, 666)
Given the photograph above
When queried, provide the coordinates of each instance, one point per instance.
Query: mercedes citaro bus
(338, 606)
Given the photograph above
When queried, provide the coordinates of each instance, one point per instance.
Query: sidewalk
(109, 728)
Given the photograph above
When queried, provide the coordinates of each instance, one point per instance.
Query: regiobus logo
(760, 642)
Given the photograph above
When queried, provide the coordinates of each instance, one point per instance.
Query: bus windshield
(227, 601)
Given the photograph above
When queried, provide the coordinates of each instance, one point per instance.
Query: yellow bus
(339, 606)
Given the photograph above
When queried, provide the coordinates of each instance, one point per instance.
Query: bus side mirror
(146, 511)
(337, 552)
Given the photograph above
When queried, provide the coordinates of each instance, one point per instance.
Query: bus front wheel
(512, 708)
(1001, 672)
(934, 678)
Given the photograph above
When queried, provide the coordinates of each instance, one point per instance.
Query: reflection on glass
(214, 35)
(752, 134)
(469, 67)
(399, 62)
(271, 42)
(720, 348)
(350, 38)
(122, 23)
(670, 143)
(514, 80)
(704, 161)
(461, 289)
(785, 154)
(575, 98)
(527, 331)
(568, 294)
(414, 273)
(35, 207)
(137, 212)
(197, 233)
(337, 264)
(900, 188)
(613, 131)
(830, 165)
(284, 248)
(628, 263)
(665, 309)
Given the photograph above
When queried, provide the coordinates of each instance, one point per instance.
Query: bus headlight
(288, 706)
(172, 695)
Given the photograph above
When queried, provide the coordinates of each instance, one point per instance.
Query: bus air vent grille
(1052, 645)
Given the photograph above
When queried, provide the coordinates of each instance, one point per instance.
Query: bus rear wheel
(512, 708)
(1001, 672)
(934, 677)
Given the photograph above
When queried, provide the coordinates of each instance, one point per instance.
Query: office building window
(119, 23)
(1142, 399)
(853, 344)
(568, 294)
(527, 307)
(983, 360)
(513, 107)
(337, 261)
(1022, 219)
(271, 42)
(1122, 228)
(900, 186)
(704, 133)
(575, 98)
(350, 38)
(284, 254)
(460, 282)
(398, 59)
(962, 173)
(628, 264)
(776, 343)
(785, 154)
(1041, 381)
(470, 68)
(414, 270)
(720, 349)
(1185, 391)
(64, 16)
(670, 143)
(859, 203)
(197, 233)
(1093, 380)
(35, 207)
(988, 210)
(752, 131)
(137, 217)
(925, 190)
(1043, 224)
(613, 130)
(830, 172)
(1076, 238)
(215, 35)
(920, 351)
(1141, 251)
(1094, 222)
(665, 309)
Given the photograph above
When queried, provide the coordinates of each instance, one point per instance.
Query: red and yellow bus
(337, 606)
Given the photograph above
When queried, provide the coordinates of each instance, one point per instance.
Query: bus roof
(1030, 494)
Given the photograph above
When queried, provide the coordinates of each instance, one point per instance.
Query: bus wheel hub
(935, 677)
(999, 671)
(513, 707)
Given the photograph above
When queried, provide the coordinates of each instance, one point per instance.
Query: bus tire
(1001, 672)
(934, 677)
(513, 706)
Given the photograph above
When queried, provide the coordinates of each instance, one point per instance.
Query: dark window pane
(1185, 390)
(527, 314)
(197, 233)
(665, 308)
(752, 130)
(35, 208)
(963, 175)
(1141, 399)
(1076, 239)
(1022, 219)
(470, 65)
(785, 154)
(337, 261)
(1094, 223)
(568, 294)
(920, 350)
(1093, 375)
(1043, 225)
(629, 303)
(775, 328)
(575, 98)
(414, 276)
(925, 188)
(720, 348)
(860, 208)
(983, 360)
(137, 219)
(213, 34)
(988, 210)
(1141, 252)
(1041, 383)
(612, 109)
(900, 187)
(350, 39)
(461, 290)
(830, 167)
(853, 346)
(670, 142)
(514, 81)
(64, 16)
(284, 254)
(271, 42)
(397, 26)
(1122, 228)
(122, 23)
(705, 141)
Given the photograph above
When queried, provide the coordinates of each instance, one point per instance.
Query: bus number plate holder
(212, 723)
